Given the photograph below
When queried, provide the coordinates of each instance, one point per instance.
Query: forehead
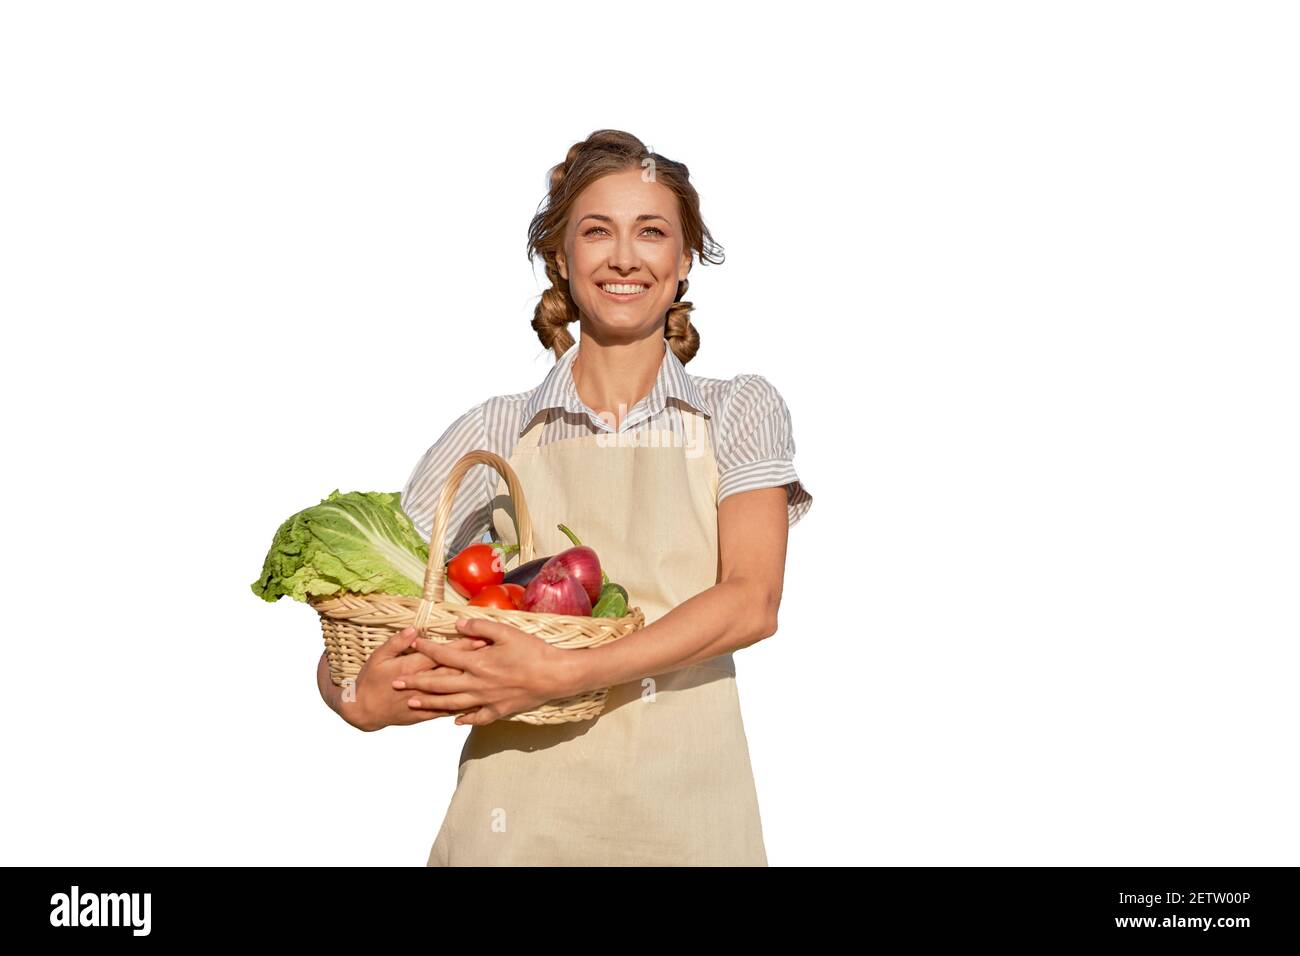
(624, 196)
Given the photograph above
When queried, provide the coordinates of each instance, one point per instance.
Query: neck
(611, 379)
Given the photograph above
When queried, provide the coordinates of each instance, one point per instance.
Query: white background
(1025, 274)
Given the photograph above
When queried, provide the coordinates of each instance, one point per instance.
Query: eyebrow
(603, 218)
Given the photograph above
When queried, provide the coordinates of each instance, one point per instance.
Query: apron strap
(533, 435)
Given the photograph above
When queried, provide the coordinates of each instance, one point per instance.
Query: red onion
(557, 589)
(584, 565)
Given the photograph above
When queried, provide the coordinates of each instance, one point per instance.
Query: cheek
(585, 260)
(664, 268)
(671, 283)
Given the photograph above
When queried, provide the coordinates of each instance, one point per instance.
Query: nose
(623, 257)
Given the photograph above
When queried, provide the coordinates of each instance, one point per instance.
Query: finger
(459, 643)
(416, 714)
(414, 662)
(417, 661)
(425, 666)
(442, 681)
(410, 643)
(482, 627)
(462, 701)
(399, 642)
(448, 654)
(477, 717)
(469, 643)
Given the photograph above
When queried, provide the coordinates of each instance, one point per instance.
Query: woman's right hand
(372, 703)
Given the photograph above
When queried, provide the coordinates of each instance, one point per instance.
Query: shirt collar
(558, 390)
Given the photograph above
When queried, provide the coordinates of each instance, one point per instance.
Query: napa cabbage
(361, 541)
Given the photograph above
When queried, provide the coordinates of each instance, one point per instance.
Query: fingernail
(399, 684)
(414, 702)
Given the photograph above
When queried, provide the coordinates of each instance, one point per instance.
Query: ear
(684, 268)
(564, 266)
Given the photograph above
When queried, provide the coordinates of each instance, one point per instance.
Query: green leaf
(361, 542)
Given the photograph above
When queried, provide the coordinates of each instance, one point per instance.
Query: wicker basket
(355, 624)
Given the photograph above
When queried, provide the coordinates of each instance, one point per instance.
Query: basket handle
(435, 574)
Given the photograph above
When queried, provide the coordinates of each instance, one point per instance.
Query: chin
(619, 326)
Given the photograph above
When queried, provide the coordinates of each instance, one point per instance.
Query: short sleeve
(756, 444)
(471, 512)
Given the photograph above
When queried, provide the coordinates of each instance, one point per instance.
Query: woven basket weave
(355, 624)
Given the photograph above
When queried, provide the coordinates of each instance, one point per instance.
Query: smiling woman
(691, 518)
(618, 215)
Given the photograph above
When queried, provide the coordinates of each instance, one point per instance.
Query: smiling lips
(622, 291)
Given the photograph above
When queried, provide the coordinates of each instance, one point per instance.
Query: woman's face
(625, 232)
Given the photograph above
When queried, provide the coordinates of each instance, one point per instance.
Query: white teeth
(623, 289)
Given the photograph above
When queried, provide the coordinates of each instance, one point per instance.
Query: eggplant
(524, 574)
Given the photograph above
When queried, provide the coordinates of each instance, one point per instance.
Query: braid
(681, 335)
(555, 310)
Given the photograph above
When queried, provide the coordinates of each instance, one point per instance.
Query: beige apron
(662, 776)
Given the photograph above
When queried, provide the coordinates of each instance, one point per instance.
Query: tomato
(474, 569)
(496, 595)
(516, 594)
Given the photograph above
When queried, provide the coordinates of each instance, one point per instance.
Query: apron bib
(662, 776)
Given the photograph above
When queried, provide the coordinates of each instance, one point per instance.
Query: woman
(685, 487)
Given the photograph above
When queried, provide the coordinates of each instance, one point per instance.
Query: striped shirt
(748, 421)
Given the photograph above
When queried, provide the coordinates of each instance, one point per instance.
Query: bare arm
(330, 692)
(740, 610)
(374, 704)
(518, 671)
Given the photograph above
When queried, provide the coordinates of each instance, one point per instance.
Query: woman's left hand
(516, 672)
